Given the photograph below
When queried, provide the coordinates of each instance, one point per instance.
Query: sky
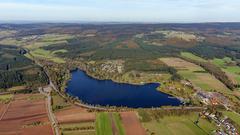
(156, 11)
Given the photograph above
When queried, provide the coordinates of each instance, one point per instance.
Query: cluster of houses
(212, 98)
(208, 98)
(225, 125)
(115, 66)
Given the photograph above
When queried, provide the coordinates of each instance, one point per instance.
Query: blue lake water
(107, 92)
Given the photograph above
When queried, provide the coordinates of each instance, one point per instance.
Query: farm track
(51, 116)
(114, 127)
(5, 109)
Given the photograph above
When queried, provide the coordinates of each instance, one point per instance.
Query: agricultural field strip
(29, 112)
(114, 127)
(132, 124)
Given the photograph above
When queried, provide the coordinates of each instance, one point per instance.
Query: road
(51, 116)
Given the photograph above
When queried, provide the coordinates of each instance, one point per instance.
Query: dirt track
(131, 124)
(22, 114)
(2, 109)
(114, 127)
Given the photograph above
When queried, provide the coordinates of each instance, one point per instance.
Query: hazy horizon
(128, 11)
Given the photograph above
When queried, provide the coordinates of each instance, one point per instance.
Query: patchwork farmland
(25, 114)
(196, 74)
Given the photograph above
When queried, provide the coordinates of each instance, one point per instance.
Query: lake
(106, 92)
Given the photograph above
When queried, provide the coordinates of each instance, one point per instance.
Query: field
(26, 114)
(103, 124)
(36, 46)
(131, 124)
(74, 115)
(192, 56)
(194, 73)
(83, 128)
(109, 124)
(178, 125)
(229, 67)
(117, 124)
(75, 120)
(47, 55)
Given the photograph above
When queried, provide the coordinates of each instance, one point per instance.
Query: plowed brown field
(131, 124)
(22, 116)
(74, 115)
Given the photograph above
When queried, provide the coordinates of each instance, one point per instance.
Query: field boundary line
(6, 109)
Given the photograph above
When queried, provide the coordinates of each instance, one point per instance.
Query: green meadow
(179, 125)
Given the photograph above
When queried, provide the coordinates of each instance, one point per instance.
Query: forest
(18, 70)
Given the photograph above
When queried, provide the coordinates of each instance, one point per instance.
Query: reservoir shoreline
(85, 87)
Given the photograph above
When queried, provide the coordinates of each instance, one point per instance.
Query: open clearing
(194, 73)
(26, 114)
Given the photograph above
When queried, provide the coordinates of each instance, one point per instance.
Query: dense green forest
(18, 70)
(210, 51)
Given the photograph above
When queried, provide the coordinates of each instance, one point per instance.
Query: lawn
(192, 56)
(179, 125)
(103, 124)
(6, 98)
